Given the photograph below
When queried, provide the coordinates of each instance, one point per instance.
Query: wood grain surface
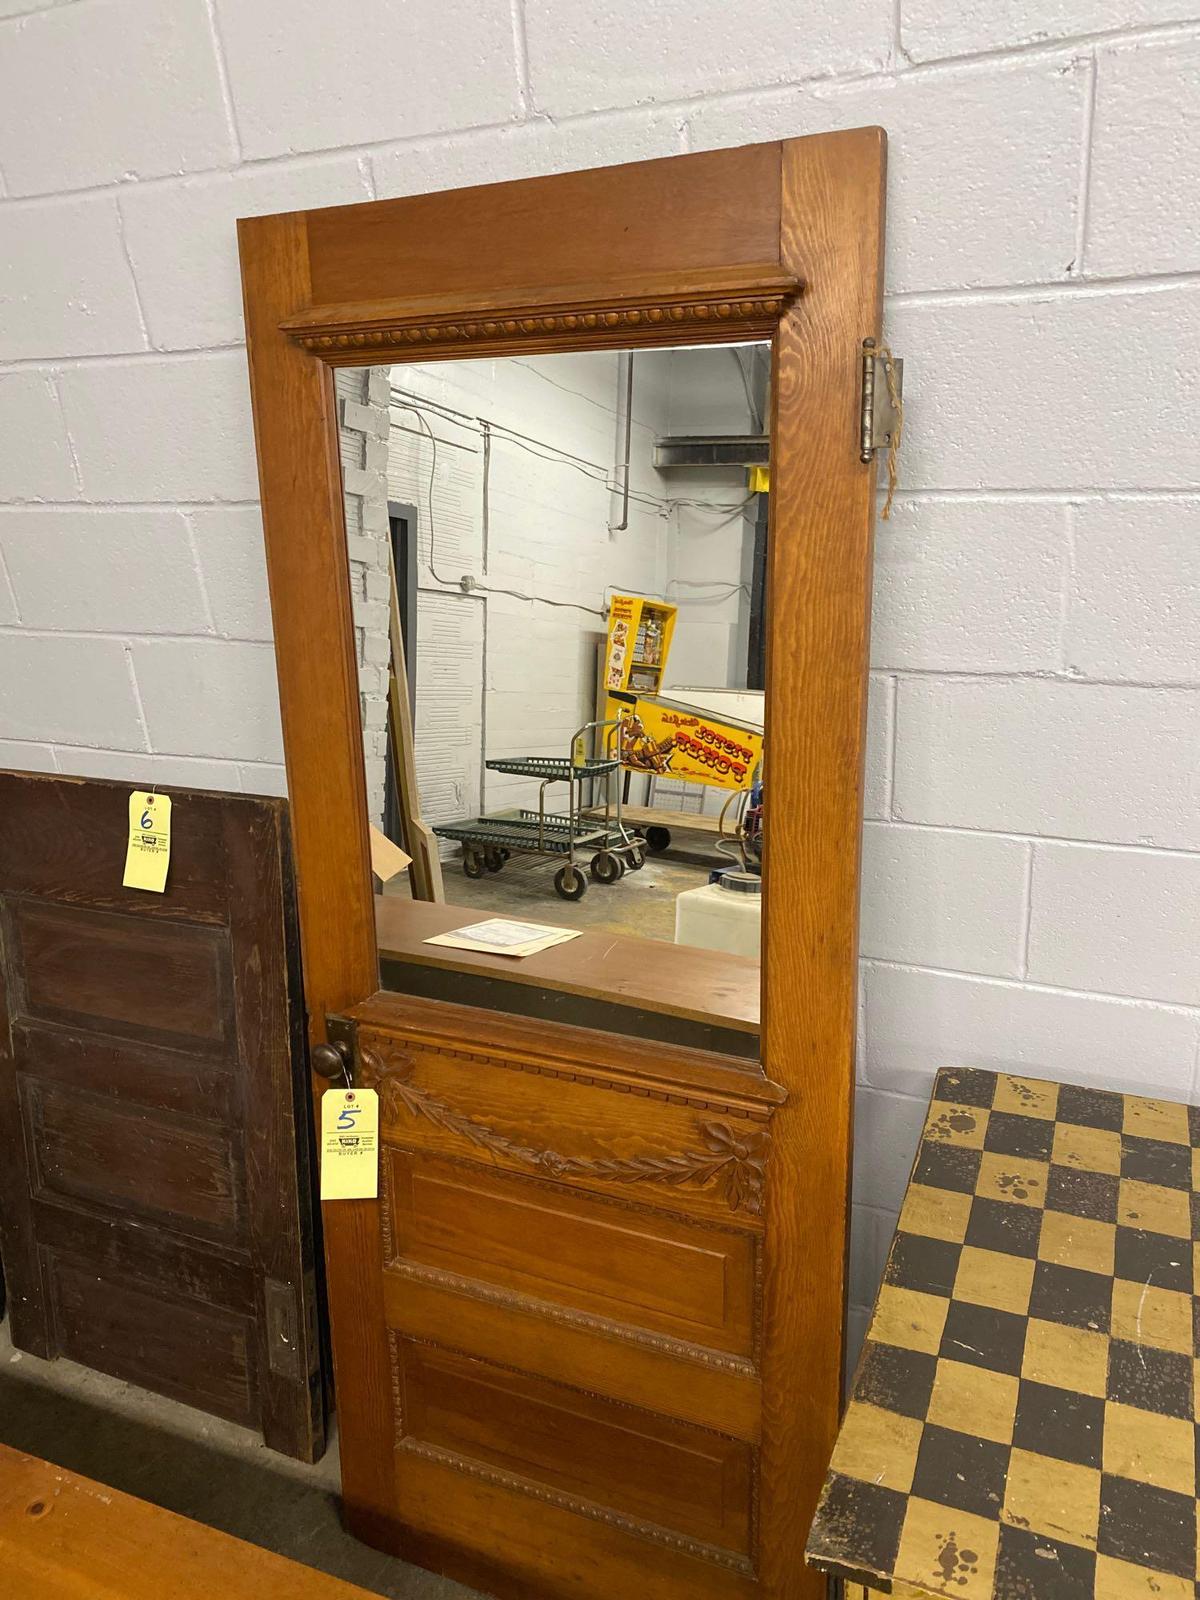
(822, 507)
(63, 1537)
(300, 477)
(704, 985)
(155, 1203)
(693, 216)
(533, 1488)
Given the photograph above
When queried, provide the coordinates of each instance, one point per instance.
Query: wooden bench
(63, 1537)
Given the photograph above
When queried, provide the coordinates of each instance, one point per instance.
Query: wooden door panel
(64, 840)
(651, 1271)
(489, 239)
(124, 1070)
(133, 1161)
(156, 1214)
(587, 1448)
(164, 983)
(196, 1353)
(123, 1249)
(570, 1253)
(649, 1370)
(703, 1159)
(538, 1544)
(573, 1328)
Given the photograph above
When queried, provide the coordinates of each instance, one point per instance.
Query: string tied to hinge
(882, 414)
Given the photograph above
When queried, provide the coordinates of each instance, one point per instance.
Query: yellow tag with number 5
(349, 1144)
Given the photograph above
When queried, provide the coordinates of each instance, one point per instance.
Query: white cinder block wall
(711, 551)
(1033, 849)
(500, 674)
(364, 423)
(540, 439)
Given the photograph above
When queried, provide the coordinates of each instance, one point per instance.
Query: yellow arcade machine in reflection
(665, 734)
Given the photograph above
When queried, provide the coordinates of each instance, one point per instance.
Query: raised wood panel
(506, 1541)
(116, 973)
(697, 214)
(648, 1370)
(86, 823)
(581, 1447)
(158, 1078)
(635, 1267)
(83, 1148)
(123, 1249)
(696, 1162)
(192, 1352)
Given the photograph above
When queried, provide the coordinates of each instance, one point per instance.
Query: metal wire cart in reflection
(489, 842)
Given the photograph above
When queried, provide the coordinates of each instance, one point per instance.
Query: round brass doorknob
(330, 1060)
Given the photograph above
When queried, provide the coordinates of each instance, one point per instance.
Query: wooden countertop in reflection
(678, 980)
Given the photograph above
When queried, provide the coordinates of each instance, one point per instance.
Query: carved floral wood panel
(731, 1158)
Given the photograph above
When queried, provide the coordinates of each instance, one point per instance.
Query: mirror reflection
(564, 556)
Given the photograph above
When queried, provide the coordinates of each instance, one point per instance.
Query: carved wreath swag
(732, 1159)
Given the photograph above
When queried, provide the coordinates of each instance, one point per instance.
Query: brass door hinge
(880, 416)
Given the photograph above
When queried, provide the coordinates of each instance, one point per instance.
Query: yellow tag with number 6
(349, 1144)
(149, 853)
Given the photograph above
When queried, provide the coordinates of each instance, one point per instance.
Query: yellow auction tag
(349, 1144)
(149, 852)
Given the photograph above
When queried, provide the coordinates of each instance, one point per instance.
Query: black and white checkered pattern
(1023, 1419)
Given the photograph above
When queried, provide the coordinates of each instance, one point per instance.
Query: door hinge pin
(881, 414)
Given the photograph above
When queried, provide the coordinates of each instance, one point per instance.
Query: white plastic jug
(716, 918)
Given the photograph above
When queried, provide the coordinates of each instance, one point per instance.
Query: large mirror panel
(566, 557)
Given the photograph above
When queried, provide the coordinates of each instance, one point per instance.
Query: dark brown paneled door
(155, 1208)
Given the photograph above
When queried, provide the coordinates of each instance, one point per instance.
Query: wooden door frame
(780, 241)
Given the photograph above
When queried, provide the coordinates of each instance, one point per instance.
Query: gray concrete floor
(639, 903)
(199, 1466)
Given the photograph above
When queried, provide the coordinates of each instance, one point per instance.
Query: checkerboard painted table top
(1023, 1423)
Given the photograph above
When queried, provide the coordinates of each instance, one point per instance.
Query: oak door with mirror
(587, 1339)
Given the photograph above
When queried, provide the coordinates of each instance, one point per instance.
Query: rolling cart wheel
(493, 860)
(635, 859)
(606, 867)
(658, 839)
(570, 883)
(472, 864)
